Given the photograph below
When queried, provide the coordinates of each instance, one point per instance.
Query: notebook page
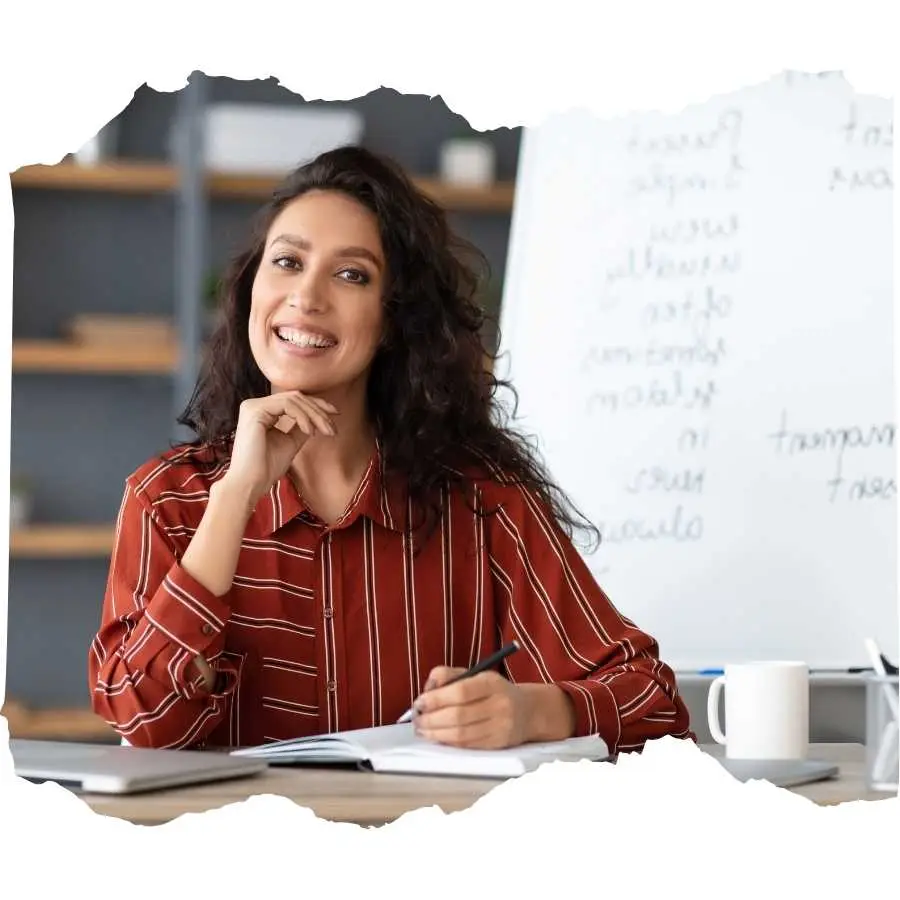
(355, 744)
(590, 747)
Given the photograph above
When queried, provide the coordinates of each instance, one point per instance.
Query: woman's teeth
(303, 338)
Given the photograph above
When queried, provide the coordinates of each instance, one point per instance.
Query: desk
(368, 799)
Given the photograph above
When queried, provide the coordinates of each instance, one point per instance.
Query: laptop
(115, 769)
(780, 772)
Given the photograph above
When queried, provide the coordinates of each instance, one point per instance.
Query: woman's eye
(285, 262)
(354, 276)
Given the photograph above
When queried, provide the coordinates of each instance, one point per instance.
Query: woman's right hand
(270, 432)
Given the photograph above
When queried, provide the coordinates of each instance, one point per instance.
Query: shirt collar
(380, 498)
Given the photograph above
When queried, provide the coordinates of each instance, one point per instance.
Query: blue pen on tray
(853, 670)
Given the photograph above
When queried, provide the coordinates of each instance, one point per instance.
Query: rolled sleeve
(188, 614)
(548, 600)
(156, 620)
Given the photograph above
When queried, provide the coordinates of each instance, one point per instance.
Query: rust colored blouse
(329, 628)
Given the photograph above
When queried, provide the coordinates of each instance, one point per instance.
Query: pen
(889, 669)
(485, 664)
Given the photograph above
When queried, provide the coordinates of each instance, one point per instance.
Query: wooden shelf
(496, 198)
(56, 724)
(61, 541)
(116, 177)
(151, 178)
(63, 356)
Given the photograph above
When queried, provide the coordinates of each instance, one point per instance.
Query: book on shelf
(397, 749)
(99, 329)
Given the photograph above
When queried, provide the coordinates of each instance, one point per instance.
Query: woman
(351, 527)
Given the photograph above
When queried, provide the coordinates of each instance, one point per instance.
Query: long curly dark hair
(431, 390)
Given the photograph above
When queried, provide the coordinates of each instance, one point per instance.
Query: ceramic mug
(766, 710)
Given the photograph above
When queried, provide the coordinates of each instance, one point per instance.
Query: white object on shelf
(274, 139)
(467, 161)
(100, 147)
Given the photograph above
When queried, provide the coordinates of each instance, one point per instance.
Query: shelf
(115, 177)
(56, 724)
(62, 356)
(61, 541)
(151, 178)
(496, 198)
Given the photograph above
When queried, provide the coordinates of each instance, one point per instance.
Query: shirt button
(329, 612)
(207, 628)
(332, 686)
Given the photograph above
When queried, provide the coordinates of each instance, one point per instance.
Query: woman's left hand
(485, 712)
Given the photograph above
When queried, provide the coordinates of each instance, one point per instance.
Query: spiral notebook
(396, 749)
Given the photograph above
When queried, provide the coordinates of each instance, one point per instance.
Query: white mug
(766, 710)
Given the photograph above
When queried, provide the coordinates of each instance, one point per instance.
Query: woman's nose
(308, 297)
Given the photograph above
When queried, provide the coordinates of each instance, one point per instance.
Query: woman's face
(316, 307)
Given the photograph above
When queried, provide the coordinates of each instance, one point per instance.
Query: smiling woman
(315, 317)
(353, 524)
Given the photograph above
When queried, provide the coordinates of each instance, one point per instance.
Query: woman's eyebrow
(302, 244)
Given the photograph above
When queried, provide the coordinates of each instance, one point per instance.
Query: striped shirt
(328, 628)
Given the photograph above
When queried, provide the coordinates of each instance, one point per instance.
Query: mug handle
(712, 709)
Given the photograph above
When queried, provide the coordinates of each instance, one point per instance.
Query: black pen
(482, 666)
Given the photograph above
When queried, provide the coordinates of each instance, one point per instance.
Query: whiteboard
(698, 320)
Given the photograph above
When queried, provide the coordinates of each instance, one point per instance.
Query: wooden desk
(367, 799)
(850, 784)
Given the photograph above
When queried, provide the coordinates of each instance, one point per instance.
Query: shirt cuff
(225, 675)
(596, 711)
(187, 613)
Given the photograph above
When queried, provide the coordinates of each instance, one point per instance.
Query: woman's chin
(313, 387)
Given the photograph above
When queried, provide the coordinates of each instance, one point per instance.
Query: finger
(317, 402)
(454, 716)
(466, 690)
(296, 415)
(299, 407)
(322, 420)
(303, 413)
(483, 735)
(324, 404)
(440, 675)
(285, 424)
(269, 411)
(291, 436)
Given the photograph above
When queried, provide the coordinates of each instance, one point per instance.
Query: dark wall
(78, 436)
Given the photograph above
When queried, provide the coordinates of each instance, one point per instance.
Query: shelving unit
(56, 724)
(155, 178)
(191, 189)
(122, 177)
(61, 541)
(62, 356)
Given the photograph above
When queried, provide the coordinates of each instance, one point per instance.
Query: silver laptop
(780, 772)
(114, 769)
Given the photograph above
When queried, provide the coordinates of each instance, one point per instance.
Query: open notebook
(397, 749)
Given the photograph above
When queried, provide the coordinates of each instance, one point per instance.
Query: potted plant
(20, 500)
(211, 287)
